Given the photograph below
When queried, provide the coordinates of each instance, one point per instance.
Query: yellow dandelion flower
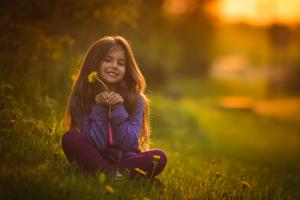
(140, 171)
(156, 157)
(101, 178)
(109, 189)
(245, 184)
(93, 77)
(73, 77)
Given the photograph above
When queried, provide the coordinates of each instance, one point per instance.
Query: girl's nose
(114, 64)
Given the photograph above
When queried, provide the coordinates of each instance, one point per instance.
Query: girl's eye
(122, 64)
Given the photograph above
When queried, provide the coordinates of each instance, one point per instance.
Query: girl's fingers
(112, 99)
(106, 98)
(111, 96)
(115, 101)
(104, 95)
(101, 98)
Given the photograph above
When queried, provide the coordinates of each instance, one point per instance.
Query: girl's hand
(114, 99)
(101, 98)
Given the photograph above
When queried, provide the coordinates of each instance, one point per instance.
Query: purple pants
(77, 148)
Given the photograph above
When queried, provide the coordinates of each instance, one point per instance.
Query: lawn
(213, 153)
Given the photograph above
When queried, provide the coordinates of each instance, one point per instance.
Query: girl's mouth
(112, 74)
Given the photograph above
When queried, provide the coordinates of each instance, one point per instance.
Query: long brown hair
(131, 88)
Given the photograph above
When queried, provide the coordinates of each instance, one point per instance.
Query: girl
(108, 119)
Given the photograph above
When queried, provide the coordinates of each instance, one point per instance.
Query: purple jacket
(126, 130)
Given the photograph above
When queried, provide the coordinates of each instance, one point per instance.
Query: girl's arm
(94, 126)
(127, 127)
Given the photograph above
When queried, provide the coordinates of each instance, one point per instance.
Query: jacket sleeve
(127, 127)
(94, 126)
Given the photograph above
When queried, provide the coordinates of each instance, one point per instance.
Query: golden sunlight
(257, 12)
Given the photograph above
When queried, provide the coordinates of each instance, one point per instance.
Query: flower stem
(107, 90)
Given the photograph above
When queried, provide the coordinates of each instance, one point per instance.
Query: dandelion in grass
(140, 171)
(173, 171)
(109, 189)
(101, 178)
(245, 184)
(156, 157)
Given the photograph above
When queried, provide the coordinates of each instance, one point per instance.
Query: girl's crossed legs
(78, 149)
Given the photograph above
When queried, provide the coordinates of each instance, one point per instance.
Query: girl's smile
(112, 69)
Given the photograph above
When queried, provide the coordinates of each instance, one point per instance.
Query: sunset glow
(257, 12)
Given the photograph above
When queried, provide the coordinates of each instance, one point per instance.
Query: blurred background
(228, 62)
(244, 48)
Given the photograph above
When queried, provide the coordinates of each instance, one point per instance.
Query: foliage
(48, 39)
(208, 158)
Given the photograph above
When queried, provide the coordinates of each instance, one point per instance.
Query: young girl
(108, 119)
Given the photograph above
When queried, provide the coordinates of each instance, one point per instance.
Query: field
(213, 153)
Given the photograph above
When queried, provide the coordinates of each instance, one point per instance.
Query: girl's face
(112, 69)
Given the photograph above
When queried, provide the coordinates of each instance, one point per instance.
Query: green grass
(210, 152)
